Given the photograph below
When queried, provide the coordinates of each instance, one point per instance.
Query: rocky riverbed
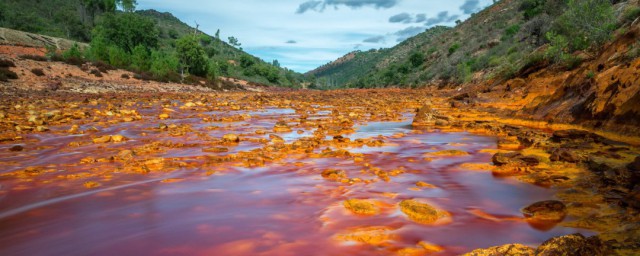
(296, 173)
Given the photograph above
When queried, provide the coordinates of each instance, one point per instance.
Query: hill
(495, 43)
(77, 20)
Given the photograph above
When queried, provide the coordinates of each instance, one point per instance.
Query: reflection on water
(281, 208)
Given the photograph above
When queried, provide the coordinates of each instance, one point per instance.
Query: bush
(6, 74)
(586, 23)
(140, 58)
(73, 52)
(416, 59)
(511, 31)
(6, 64)
(558, 47)
(118, 57)
(163, 65)
(37, 71)
(454, 48)
(103, 67)
(631, 13)
(33, 57)
(96, 73)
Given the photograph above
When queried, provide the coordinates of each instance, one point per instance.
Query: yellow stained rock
(449, 152)
(215, 150)
(424, 184)
(118, 138)
(103, 139)
(230, 137)
(163, 116)
(421, 212)
(91, 184)
(367, 235)
(333, 174)
(360, 206)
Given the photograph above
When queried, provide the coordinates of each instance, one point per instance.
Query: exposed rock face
(550, 210)
(500, 159)
(503, 250)
(575, 244)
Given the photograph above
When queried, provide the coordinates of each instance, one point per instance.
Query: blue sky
(304, 34)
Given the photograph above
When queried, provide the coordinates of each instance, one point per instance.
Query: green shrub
(512, 30)
(586, 23)
(631, 13)
(118, 57)
(73, 53)
(531, 8)
(454, 48)
(214, 71)
(558, 47)
(464, 73)
(416, 59)
(163, 64)
(140, 58)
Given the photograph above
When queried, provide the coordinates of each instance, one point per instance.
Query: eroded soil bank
(304, 173)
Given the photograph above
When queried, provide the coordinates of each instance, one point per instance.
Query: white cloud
(265, 27)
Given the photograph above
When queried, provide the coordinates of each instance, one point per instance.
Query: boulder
(516, 158)
(550, 210)
(425, 116)
(421, 212)
(575, 244)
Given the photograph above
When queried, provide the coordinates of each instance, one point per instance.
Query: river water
(283, 207)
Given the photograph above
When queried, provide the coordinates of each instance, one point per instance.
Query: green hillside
(496, 43)
(114, 30)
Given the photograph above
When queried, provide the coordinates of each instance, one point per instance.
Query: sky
(305, 34)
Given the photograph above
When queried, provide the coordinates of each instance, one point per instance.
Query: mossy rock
(421, 212)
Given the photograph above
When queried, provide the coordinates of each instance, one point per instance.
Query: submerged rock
(367, 235)
(575, 244)
(360, 206)
(333, 174)
(550, 210)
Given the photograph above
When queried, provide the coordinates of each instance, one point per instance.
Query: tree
(127, 5)
(276, 63)
(218, 34)
(193, 58)
(234, 42)
(128, 30)
(416, 59)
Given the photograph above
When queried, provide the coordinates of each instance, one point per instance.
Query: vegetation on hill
(497, 43)
(156, 45)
